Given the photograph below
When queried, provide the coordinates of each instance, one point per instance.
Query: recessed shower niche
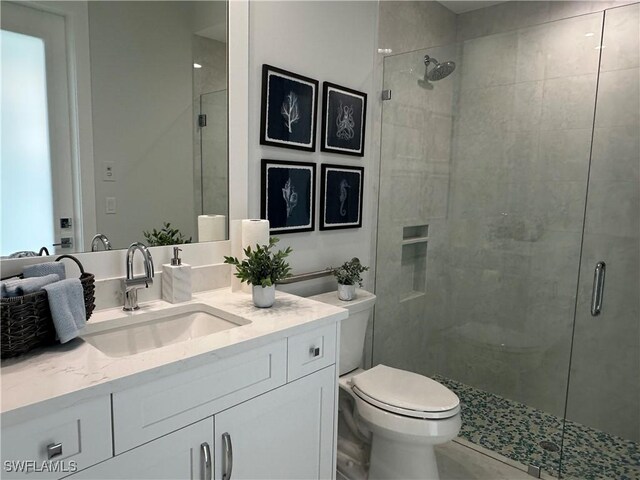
(414, 262)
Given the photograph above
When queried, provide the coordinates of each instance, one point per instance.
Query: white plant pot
(346, 292)
(264, 297)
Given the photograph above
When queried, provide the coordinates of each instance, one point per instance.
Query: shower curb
(500, 458)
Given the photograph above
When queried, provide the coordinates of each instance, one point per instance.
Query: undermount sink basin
(141, 332)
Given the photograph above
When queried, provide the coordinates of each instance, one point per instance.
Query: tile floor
(514, 430)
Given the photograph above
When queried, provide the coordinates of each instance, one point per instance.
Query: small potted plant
(262, 269)
(349, 277)
(165, 236)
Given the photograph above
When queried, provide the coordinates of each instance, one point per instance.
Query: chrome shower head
(440, 70)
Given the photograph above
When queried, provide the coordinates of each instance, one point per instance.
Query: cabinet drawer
(311, 351)
(162, 406)
(82, 433)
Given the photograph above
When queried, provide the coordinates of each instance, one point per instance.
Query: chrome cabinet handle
(54, 450)
(597, 293)
(206, 472)
(227, 456)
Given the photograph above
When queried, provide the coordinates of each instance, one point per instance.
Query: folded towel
(3, 286)
(16, 287)
(42, 269)
(66, 302)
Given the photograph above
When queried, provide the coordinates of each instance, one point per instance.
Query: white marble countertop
(59, 376)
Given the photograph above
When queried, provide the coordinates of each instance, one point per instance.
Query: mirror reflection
(114, 124)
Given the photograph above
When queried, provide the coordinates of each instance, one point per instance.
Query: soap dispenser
(176, 279)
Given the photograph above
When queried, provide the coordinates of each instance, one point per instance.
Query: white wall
(327, 41)
(142, 115)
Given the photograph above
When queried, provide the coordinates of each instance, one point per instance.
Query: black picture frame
(282, 92)
(285, 217)
(340, 203)
(343, 131)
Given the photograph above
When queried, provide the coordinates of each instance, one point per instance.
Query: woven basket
(25, 322)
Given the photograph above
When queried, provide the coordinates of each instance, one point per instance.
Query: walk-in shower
(501, 191)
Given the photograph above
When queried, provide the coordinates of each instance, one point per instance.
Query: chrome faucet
(100, 237)
(131, 283)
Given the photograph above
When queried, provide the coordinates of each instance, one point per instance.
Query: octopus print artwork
(344, 113)
(341, 197)
(288, 196)
(289, 106)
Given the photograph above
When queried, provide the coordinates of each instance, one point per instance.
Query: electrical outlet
(108, 171)
(111, 205)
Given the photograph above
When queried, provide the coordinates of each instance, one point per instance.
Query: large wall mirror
(114, 124)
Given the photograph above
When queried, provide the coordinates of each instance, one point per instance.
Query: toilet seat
(405, 393)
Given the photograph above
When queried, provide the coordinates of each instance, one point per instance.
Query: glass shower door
(483, 184)
(213, 153)
(602, 428)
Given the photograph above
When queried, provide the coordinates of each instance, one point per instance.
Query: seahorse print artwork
(343, 196)
(345, 122)
(290, 196)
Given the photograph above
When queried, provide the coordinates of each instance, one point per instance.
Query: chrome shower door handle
(597, 293)
(206, 473)
(227, 456)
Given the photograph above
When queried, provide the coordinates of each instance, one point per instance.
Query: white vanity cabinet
(265, 413)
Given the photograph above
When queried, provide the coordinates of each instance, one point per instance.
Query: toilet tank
(354, 328)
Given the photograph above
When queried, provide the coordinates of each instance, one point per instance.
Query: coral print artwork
(289, 106)
(288, 196)
(344, 112)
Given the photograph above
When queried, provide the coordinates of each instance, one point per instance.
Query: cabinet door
(287, 433)
(179, 455)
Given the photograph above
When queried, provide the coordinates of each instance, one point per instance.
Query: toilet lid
(405, 393)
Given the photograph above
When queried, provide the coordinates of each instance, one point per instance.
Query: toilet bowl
(404, 414)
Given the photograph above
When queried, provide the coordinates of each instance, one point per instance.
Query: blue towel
(66, 302)
(16, 287)
(42, 269)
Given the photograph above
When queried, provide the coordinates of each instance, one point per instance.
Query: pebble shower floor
(515, 431)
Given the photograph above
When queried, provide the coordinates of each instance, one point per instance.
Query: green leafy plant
(262, 266)
(349, 272)
(165, 236)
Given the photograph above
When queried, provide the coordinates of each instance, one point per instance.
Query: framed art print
(288, 196)
(341, 197)
(289, 109)
(344, 112)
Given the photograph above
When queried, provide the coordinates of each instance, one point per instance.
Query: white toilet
(404, 414)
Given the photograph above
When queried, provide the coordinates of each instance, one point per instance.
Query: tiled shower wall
(499, 175)
(524, 114)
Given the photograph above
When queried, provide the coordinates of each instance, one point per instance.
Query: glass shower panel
(213, 144)
(492, 163)
(414, 195)
(602, 431)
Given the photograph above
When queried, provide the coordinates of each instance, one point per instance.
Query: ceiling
(462, 6)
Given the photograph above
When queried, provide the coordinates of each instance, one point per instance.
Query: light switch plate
(111, 205)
